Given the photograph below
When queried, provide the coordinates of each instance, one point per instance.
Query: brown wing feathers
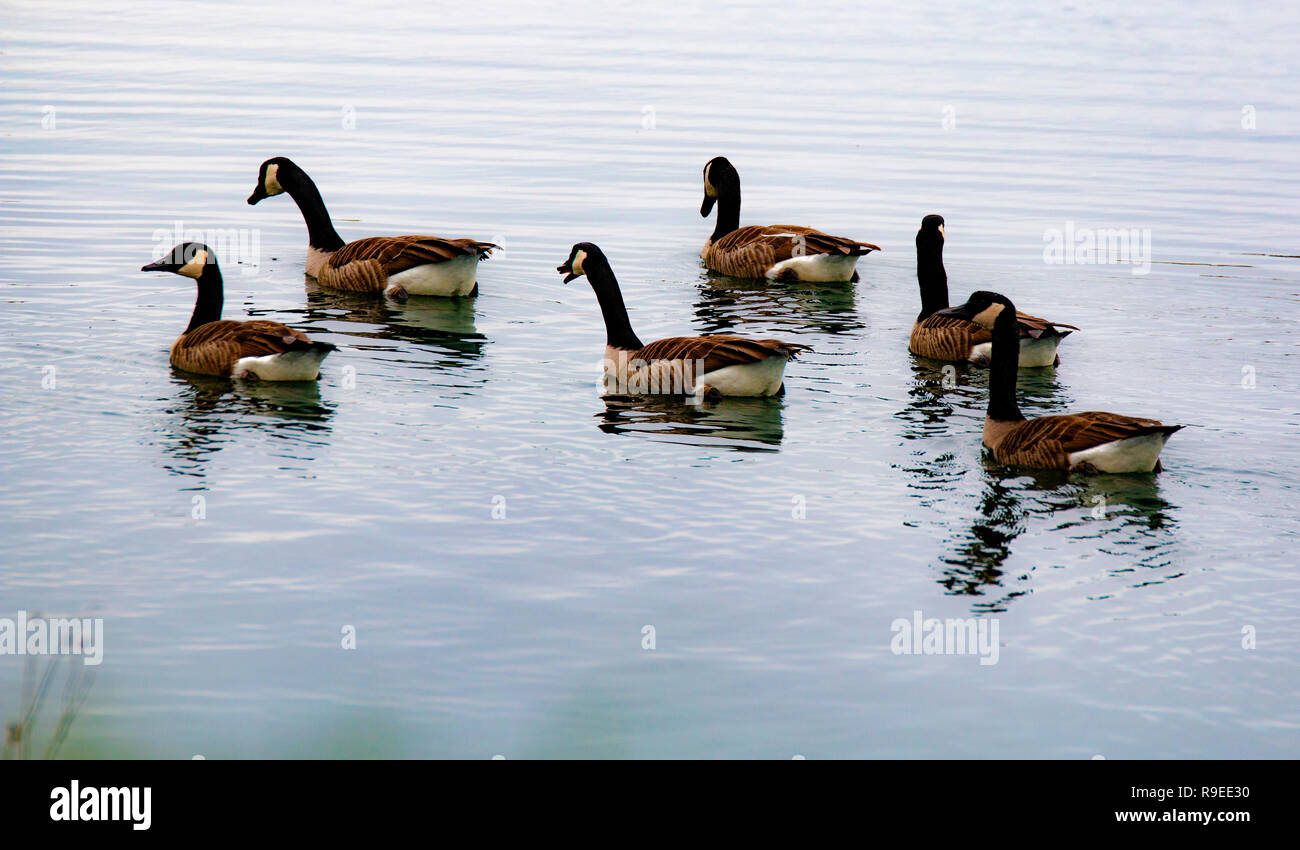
(941, 337)
(213, 349)
(718, 351)
(946, 337)
(751, 251)
(1049, 440)
(399, 253)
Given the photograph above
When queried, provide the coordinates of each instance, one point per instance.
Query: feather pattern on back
(751, 251)
(1048, 441)
(944, 337)
(366, 264)
(717, 352)
(214, 348)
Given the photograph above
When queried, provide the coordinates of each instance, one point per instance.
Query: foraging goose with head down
(946, 337)
(707, 366)
(253, 349)
(1091, 441)
(398, 265)
(778, 252)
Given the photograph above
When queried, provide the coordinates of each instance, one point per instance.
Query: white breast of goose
(817, 268)
(1133, 454)
(1033, 352)
(750, 379)
(301, 365)
(450, 277)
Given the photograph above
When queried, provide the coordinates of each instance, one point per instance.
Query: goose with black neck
(784, 252)
(396, 265)
(1090, 441)
(942, 336)
(702, 366)
(253, 349)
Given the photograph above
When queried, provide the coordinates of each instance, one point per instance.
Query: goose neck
(320, 229)
(932, 278)
(207, 305)
(728, 212)
(618, 327)
(1004, 369)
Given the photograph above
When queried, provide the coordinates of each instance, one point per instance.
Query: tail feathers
(1166, 431)
(302, 345)
(1048, 331)
(792, 349)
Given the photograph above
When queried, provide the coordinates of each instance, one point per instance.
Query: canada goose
(945, 337)
(398, 265)
(706, 366)
(778, 252)
(254, 349)
(1090, 441)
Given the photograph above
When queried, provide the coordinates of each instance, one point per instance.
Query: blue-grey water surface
(499, 535)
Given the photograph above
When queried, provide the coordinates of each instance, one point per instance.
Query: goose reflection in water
(944, 418)
(209, 413)
(446, 325)
(726, 305)
(1126, 513)
(741, 424)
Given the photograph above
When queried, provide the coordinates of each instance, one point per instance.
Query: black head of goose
(707, 366)
(398, 265)
(254, 349)
(784, 252)
(942, 336)
(1091, 441)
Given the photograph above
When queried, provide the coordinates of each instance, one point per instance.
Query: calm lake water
(499, 536)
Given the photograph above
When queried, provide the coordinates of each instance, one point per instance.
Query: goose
(778, 252)
(1087, 442)
(252, 350)
(943, 337)
(397, 265)
(703, 366)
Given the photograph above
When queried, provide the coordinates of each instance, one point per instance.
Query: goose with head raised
(1090, 441)
(253, 349)
(945, 337)
(397, 265)
(704, 366)
(784, 252)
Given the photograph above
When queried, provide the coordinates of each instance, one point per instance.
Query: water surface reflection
(446, 325)
(199, 420)
(1125, 514)
(725, 305)
(742, 424)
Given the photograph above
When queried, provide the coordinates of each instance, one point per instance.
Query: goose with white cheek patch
(397, 265)
(941, 336)
(1086, 442)
(251, 350)
(784, 252)
(703, 366)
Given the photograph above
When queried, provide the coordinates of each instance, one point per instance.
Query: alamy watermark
(953, 636)
(53, 636)
(242, 245)
(1086, 246)
(626, 375)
